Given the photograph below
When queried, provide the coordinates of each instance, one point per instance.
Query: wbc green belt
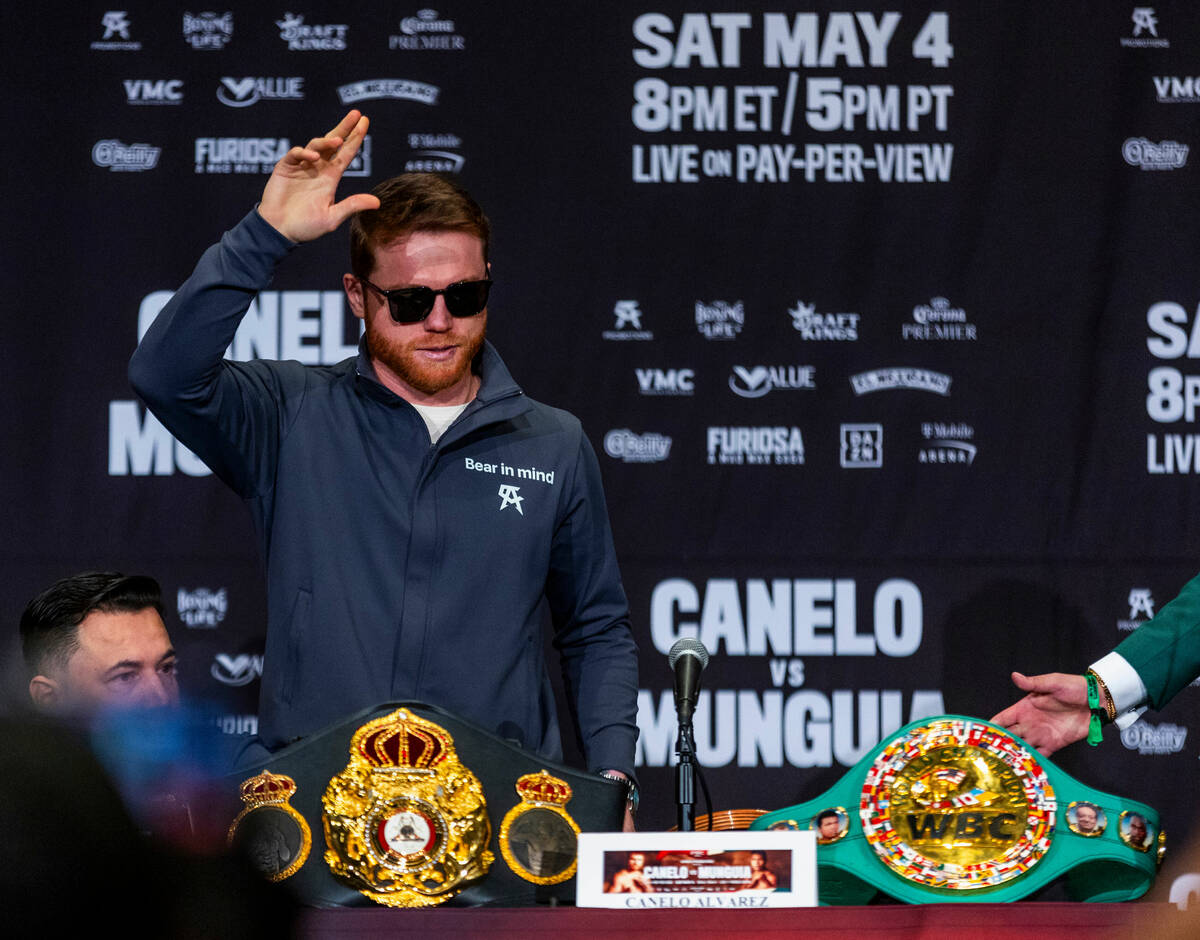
(958, 809)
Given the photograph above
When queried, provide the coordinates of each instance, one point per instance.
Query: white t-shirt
(439, 417)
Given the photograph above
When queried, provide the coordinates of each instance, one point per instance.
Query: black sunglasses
(414, 304)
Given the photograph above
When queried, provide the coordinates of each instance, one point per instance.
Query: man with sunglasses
(413, 506)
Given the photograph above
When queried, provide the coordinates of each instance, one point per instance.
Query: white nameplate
(721, 870)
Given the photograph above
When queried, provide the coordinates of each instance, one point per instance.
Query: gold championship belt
(538, 838)
(417, 817)
(405, 822)
(958, 809)
(268, 831)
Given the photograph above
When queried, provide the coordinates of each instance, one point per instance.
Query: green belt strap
(958, 809)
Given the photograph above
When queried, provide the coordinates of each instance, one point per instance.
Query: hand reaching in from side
(1053, 714)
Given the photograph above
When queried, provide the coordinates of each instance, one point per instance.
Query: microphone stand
(685, 779)
(687, 659)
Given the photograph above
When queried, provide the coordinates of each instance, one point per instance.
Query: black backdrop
(881, 417)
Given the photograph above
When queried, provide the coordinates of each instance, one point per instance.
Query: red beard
(429, 378)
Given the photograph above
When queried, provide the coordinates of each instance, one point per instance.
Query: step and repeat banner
(883, 321)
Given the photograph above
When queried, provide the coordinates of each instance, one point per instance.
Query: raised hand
(298, 200)
(1052, 715)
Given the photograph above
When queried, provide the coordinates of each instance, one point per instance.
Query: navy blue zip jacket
(397, 569)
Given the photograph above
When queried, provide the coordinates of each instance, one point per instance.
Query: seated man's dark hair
(50, 623)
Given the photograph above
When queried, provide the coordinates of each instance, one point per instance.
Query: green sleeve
(1165, 651)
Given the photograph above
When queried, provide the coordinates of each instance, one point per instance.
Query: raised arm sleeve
(230, 414)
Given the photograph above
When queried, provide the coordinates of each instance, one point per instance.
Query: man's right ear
(45, 692)
(354, 294)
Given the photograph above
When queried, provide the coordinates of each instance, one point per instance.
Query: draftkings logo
(627, 325)
(243, 92)
(427, 31)
(862, 446)
(1141, 609)
(300, 37)
(239, 154)
(946, 443)
(778, 446)
(1145, 738)
(1165, 155)
(882, 380)
(128, 158)
(720, 319)
(823, 326)
(208, 31)
(1145, 31)
(116, 34)
(624, 445)
(402, 89)
(238, 670)
(202, 609)
(759, 380)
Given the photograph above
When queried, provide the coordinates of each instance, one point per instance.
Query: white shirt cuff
(1125, 687)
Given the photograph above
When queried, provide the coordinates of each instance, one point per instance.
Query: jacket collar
(497, 382)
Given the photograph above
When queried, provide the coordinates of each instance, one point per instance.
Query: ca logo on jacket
(509, 497)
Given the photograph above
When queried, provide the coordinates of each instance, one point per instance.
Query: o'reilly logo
(623, 444)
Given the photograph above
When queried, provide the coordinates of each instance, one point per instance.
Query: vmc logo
(666, 381)
(162, 91)
(1171, 89)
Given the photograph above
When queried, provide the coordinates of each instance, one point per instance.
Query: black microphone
(687, 659)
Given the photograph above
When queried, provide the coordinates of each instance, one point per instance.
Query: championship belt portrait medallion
(271, 834)
(538, 838)
(406, 822)
(958, 805)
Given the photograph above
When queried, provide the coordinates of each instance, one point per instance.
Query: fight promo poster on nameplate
(882, 320)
